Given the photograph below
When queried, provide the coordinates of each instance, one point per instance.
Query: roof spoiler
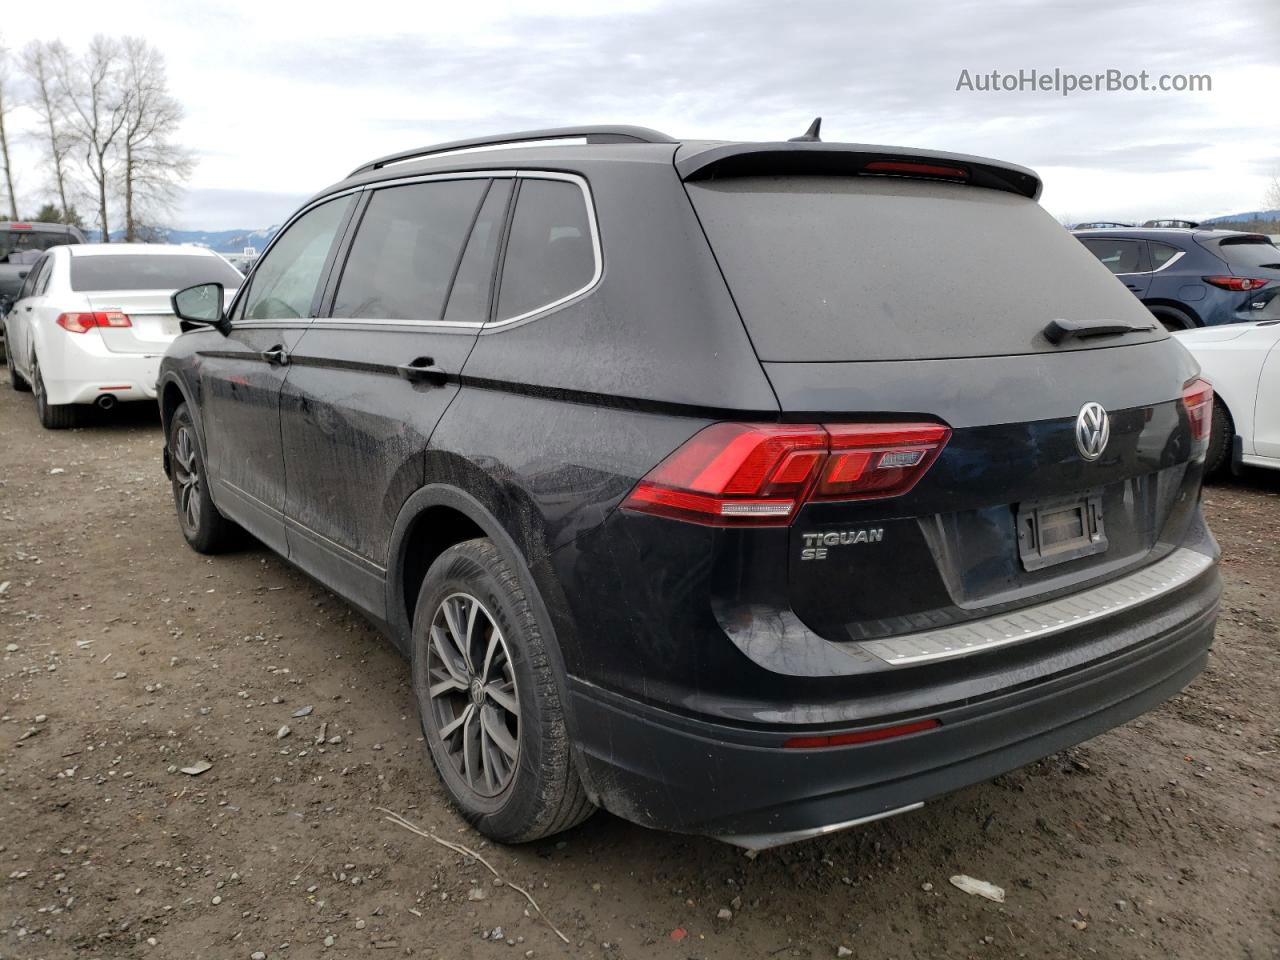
(718, 160)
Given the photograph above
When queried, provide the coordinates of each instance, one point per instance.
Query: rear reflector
(1197, 397)
(739, 474)
(911, 169)
(84, 322)
(1240, 284)
(861, 736)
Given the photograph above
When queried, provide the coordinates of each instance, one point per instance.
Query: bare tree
(38, 60)
(6, 105)
(154, 166)
(96, 111)
(1272, 200)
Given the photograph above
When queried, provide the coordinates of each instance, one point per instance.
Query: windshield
(25, 246)
(850, 268)
(160, 271)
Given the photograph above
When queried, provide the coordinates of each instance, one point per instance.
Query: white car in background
(92, 321)
(1242, 361)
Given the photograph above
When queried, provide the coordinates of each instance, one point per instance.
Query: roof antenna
(810, 135)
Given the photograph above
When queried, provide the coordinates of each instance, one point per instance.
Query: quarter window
(1161, 253)
(284, 283)
(407, 249)
(550, 255)
(1118, 256)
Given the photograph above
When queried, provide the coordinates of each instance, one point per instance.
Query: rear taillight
(1197, 397)
(84, 322)
(1239, 284)
(738, 474)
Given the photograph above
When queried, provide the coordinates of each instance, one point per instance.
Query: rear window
(828, 268)
(17, 246)
(158, 271)
(1248, 252)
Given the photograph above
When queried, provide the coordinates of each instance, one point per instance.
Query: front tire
(53, 416)
(205, 529)
(490, 704)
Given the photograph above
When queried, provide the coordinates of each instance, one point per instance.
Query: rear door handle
(276, 356)
(422, 370)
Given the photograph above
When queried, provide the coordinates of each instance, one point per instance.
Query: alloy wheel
(472, 690)
(37, 385)
(186, 476)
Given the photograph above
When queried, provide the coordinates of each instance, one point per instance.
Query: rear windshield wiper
(1058, 330)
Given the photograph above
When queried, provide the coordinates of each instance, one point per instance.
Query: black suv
(746, 489)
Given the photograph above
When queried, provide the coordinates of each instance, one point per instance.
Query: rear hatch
(1254, 278)
(897, 299)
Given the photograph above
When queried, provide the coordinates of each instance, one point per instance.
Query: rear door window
(1118, 256)
(859, 268)
(550, 253)
(43, 276)
(407, 249)
(469, 298)
(29, 283)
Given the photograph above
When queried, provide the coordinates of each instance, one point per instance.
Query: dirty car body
(818, 521)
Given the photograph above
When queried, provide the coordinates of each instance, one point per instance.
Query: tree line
(106, 126)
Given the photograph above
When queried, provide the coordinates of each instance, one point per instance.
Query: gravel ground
(125, 657)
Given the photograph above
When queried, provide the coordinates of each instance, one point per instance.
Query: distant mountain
(1251, 217)
(223, 241)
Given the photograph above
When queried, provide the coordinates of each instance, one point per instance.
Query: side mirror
(202, 304)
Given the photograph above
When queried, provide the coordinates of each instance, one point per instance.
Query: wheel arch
(464, 516)
(1174, 308)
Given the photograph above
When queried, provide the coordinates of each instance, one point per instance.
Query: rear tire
(1173, 319)
(1222, 433)
(15, 378)
(204, 528)
(491, 707)
(53, 416)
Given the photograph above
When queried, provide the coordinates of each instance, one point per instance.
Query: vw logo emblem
(1093, 430)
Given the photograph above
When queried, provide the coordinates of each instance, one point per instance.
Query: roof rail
(607, 133)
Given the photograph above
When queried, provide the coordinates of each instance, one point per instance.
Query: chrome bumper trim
(978, 636)
(763, 841)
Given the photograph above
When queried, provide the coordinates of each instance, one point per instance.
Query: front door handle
(423, 370)
(276, 356)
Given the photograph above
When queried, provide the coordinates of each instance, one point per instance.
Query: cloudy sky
(283, 98)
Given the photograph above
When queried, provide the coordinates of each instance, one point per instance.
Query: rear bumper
(673, 771)
(78, 368)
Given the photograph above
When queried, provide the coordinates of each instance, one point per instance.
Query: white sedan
(1242, 361)
(92, 321)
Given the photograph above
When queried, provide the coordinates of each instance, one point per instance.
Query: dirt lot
(125, 657)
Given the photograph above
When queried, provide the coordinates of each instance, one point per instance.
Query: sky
(284, 98)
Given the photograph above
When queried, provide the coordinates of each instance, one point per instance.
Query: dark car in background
(682, 492)
(1193, 278)
(21, 244)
